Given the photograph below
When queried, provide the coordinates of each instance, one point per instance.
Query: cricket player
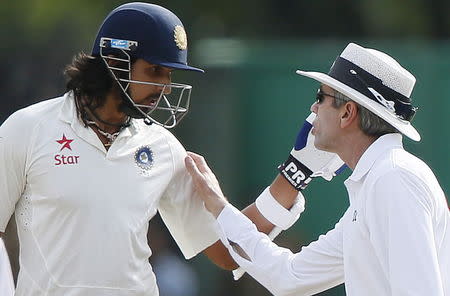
(6, 278)
(394, 238)
(85, 172)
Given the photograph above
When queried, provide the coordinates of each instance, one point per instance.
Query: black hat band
(372, 87)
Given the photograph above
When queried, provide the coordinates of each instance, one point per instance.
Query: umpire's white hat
(376, 81)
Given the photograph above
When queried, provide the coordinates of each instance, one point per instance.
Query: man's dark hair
(89, 80)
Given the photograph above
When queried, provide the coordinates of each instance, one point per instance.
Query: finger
(192, 154)
(200, 162)
(198, 179)
(196, 157)
(191, 167)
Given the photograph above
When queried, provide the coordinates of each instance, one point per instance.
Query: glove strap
(295, 172)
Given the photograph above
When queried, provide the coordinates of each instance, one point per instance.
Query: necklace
(110, 137)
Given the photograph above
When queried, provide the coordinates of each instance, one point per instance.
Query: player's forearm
(283, 192)
(220, 256)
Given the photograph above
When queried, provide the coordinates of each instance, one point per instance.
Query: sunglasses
(320, 96)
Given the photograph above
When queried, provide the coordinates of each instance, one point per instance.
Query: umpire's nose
(314, 107)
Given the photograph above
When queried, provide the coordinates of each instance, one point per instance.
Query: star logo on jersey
(62, 158)
(65, 143)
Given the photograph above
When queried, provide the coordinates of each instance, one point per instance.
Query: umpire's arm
(285, 195)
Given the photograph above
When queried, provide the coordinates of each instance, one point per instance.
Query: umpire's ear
(349, 114)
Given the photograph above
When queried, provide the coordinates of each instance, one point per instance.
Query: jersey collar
(69, 115)
(382, 144)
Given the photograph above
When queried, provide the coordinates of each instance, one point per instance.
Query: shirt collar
(68, 111)
(69, 114)
(383, 143)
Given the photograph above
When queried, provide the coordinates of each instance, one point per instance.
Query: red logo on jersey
(65, 143)
(61, 159)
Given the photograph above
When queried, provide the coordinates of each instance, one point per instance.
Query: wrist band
(275, 213)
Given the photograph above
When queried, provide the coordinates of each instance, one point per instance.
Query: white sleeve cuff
(275, 213)
(233, 223)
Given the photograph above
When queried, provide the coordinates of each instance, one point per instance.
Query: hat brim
(182, 67)
(177, 66)
(402, 126)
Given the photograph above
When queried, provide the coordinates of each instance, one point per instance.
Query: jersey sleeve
(184, 214)
(13, 150)
(400, 221)
(315, 268)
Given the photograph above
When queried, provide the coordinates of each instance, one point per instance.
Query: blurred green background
(248, 106)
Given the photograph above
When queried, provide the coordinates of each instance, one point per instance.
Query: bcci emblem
(144, 158)
(180, 37)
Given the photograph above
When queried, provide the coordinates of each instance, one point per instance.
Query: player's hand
(306, 161)
(205, 183)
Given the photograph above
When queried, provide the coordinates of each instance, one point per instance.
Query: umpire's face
(148, 94)
(327, 125)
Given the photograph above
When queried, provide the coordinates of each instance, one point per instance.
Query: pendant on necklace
(110, 137)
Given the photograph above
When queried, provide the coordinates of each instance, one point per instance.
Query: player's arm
(286, 194)
(13, 151)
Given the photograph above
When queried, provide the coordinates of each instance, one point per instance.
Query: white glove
(306, 161)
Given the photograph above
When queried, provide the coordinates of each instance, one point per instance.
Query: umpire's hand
(205, 183)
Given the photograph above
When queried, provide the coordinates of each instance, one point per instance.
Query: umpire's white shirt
(394, 239)
(82, 212)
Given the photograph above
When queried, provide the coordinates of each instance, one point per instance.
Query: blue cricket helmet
(156, 35)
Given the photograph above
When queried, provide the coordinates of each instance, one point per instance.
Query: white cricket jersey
(6, 278)
(82, 212)
(394, 239)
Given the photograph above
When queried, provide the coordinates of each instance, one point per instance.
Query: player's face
(147, 94)
(326, 125)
